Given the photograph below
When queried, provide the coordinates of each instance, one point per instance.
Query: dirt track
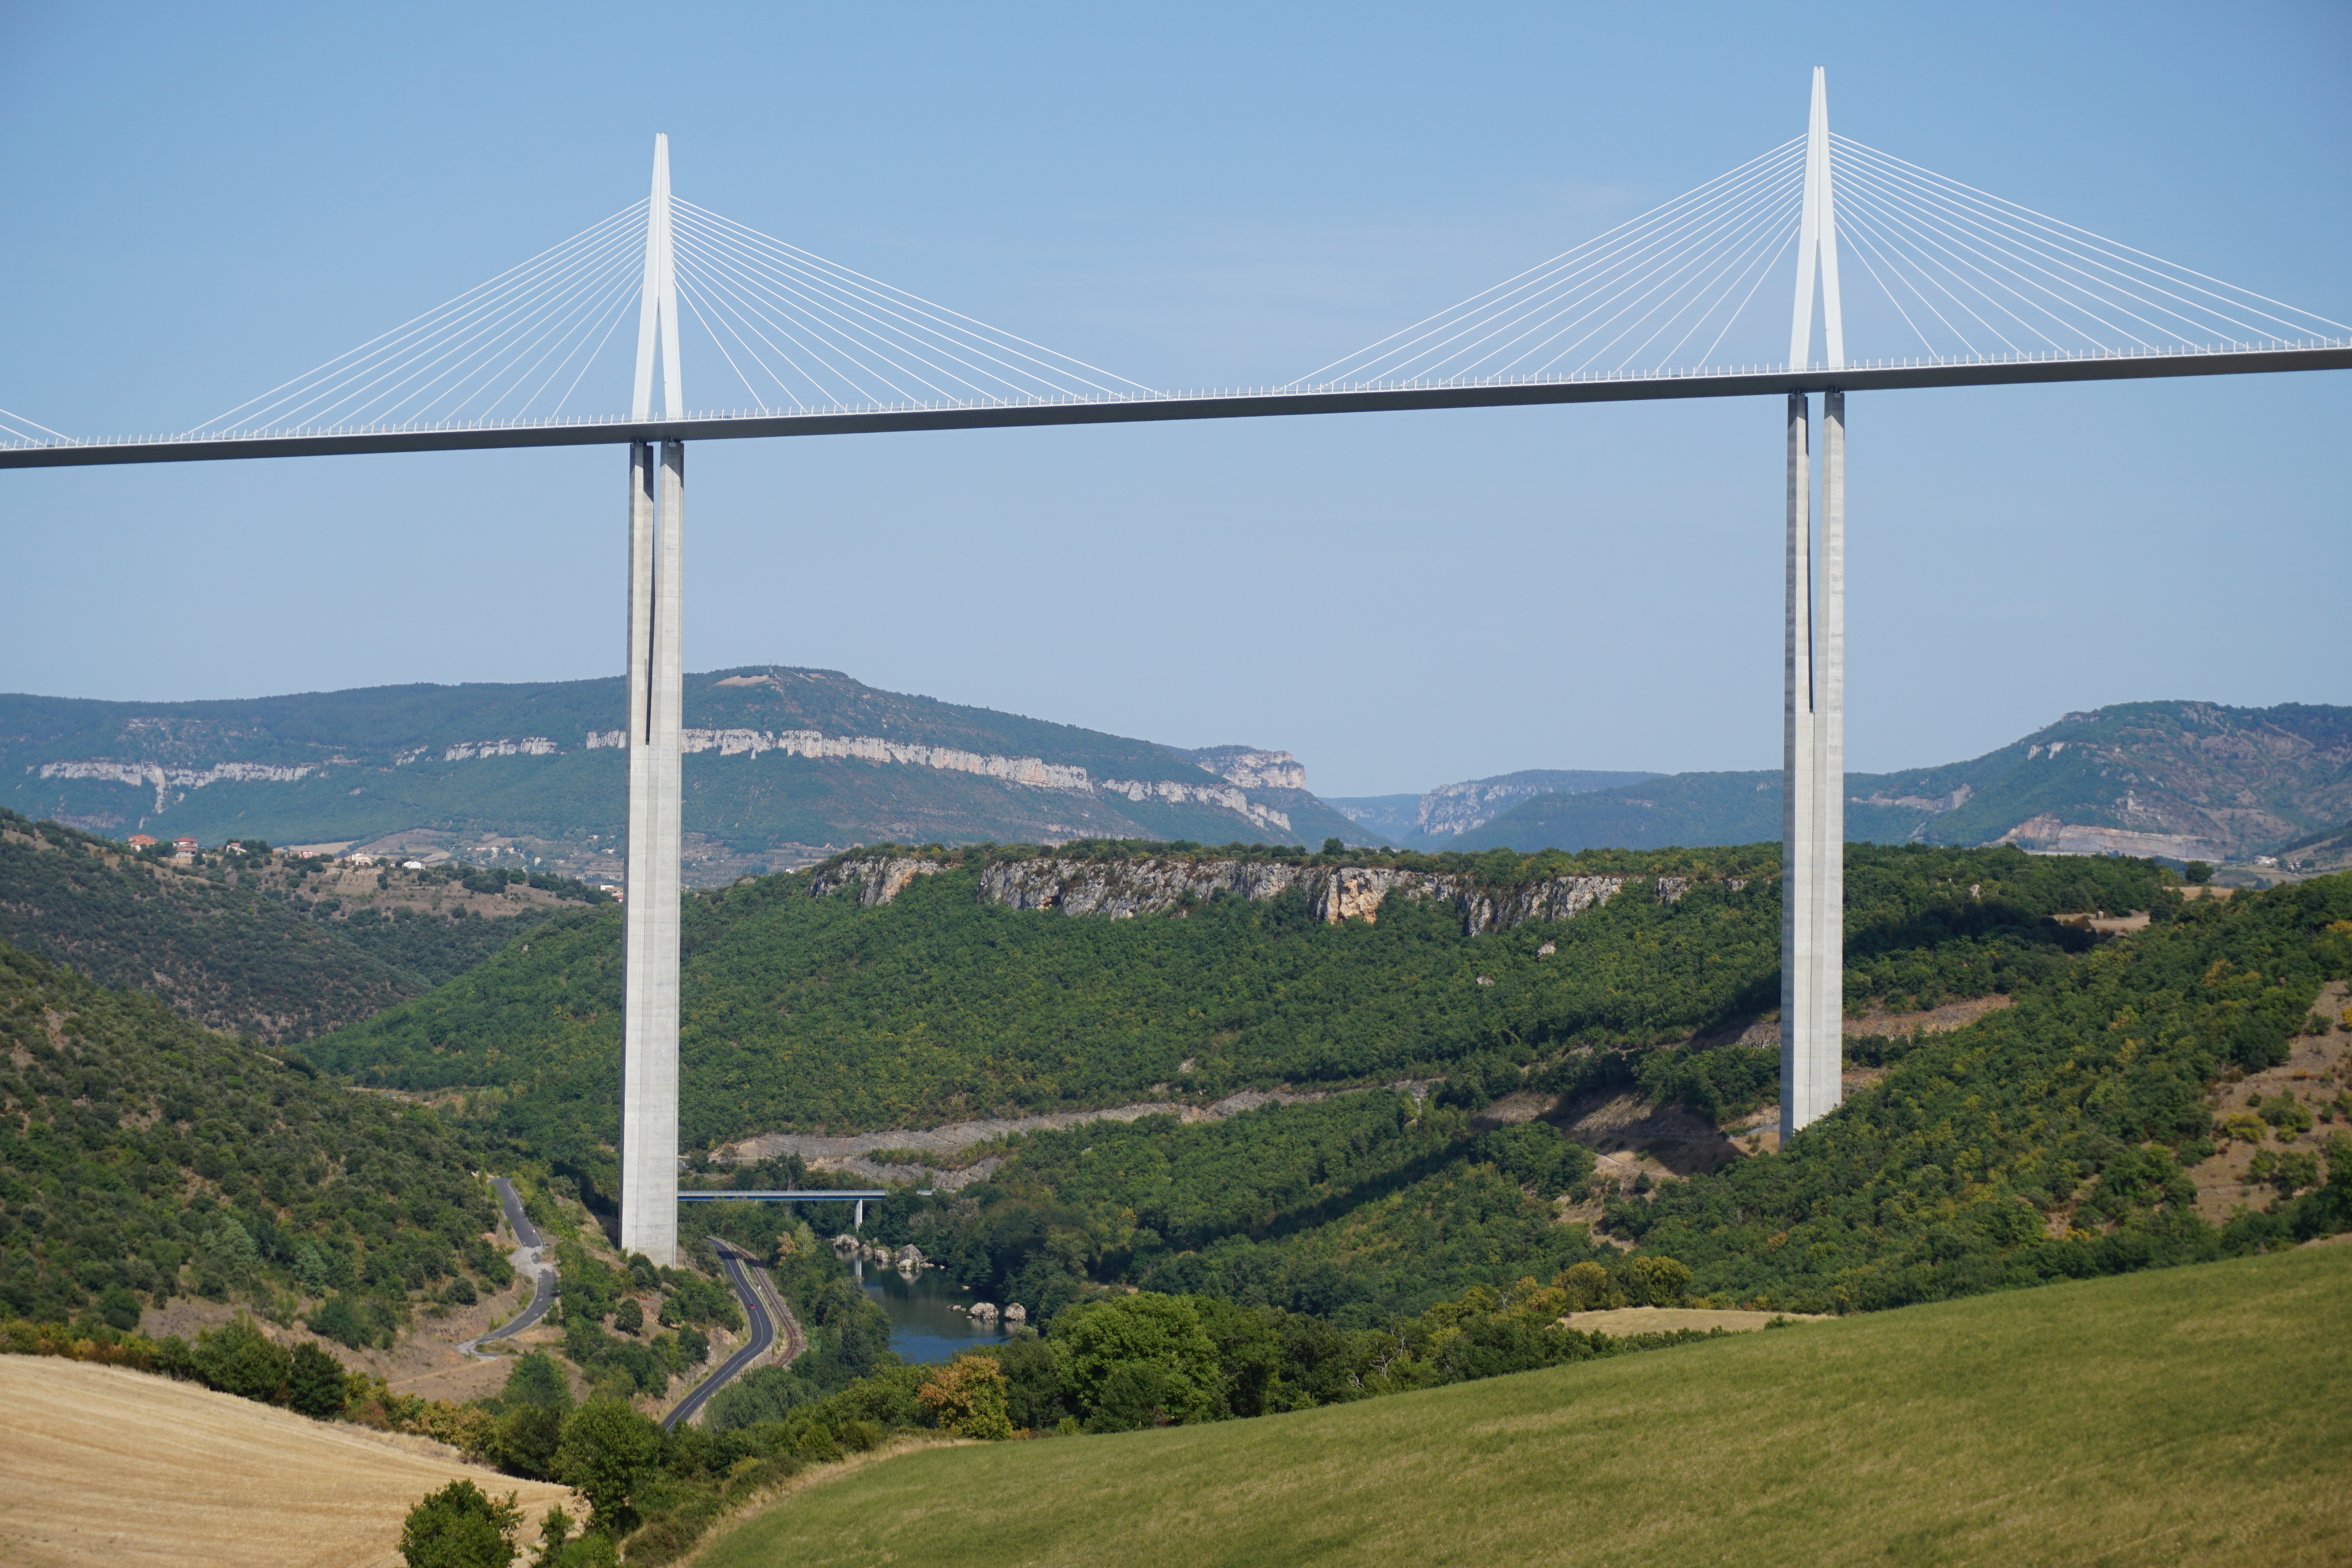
(101, 1466)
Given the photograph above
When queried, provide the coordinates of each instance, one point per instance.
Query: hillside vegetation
(806, 1011)
(2050, 1139)
(256, 944)
(2183, 780)
(466, 769)
(2196, 1414)
(141, 1158)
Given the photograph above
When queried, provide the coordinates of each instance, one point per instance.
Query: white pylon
(657, 301)
(1812, 852)
(1817, 242)
(656, 682)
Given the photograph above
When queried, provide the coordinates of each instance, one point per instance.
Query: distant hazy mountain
(1435, 820)
(2180, 779)
(784, 766)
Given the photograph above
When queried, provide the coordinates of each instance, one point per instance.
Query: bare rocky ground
(2316, 1074)
(849, 1153)
(103, 1465)
(425, 1360)
(1631, 1136)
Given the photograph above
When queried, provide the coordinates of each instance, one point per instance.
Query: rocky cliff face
(1250, 768)
(1122, 890)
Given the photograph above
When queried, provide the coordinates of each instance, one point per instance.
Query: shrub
(316, 1385)
(1137, 1360)
(1590, 1287)
(238, 1358)
(2242, 1126)
(1656, 1281)
(460, 1527)
(607, 1454)
(527, 1442)
(967, 1396)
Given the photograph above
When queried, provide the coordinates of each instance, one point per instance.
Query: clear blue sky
(206, 199)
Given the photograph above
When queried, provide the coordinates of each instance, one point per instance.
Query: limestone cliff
(1122, 890)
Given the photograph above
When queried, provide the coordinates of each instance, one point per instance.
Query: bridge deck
(1253, 405)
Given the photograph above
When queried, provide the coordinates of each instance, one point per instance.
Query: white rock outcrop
(1122, 890)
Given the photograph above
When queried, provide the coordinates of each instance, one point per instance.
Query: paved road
(763, 1334)
(529, 1252)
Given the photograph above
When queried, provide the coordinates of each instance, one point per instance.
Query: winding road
(530, 1253)
(757, 1301)
(763, 1309)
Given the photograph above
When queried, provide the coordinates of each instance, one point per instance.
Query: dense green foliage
(2082, 1103)
(808, 1012)
(2087, 1098)
(251, 943)
(636, 1357)
(1360, 1209)
(460, 1527)
(141, 1158)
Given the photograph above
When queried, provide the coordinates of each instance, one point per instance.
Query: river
(925, 1327)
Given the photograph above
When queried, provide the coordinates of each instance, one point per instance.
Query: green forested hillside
(2087, 1099)
(254, 944)
(141, 1158)
(2049, 1140)
(2183, 780)
(502, 765)
(803, 1012)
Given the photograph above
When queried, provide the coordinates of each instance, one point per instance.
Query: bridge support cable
(516, 346)
(800, 331)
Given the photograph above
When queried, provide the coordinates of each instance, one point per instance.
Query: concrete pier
(656, 681)
(1812, 812)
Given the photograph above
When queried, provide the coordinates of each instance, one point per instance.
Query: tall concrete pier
(1813, 846)
(656, 681)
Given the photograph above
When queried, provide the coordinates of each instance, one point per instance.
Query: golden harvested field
(103, 1465)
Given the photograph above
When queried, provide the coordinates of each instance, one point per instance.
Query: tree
(528, 1441)
(1139, 1359)
(1589, 1286)
(629, 1317)
(316, 1386)
(968, 1395)
(2198, 872)
(460, 1527)
(1657, 1281)
(238, 1358)
(553, 1531)
(535, 1381)
(607, 1453)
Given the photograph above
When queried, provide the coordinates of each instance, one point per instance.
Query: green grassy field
(2198, 1415)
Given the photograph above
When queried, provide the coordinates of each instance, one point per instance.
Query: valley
(1285, 1136)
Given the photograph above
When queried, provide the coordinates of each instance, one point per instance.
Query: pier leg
(1813, 819)
(649, 1060)
(1829, 782)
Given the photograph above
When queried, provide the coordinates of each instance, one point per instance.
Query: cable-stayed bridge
(1951, 285)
